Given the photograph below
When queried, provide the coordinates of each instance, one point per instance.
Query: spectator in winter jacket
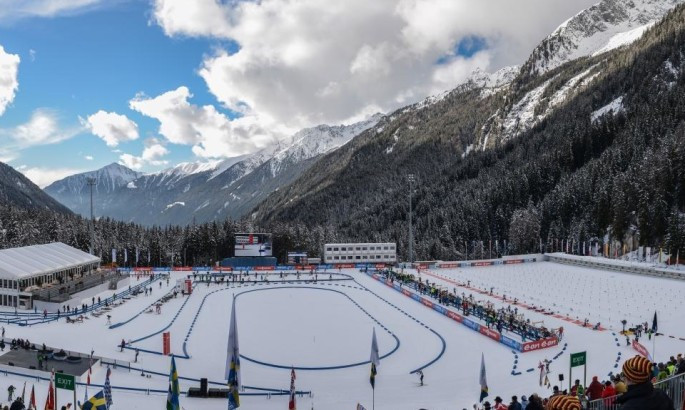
(608, 394)
(524, 402)
(594, 390)
(499, 405)
(641, 394)
(663, 372)
(515, 405)
(563, 403)
(574, 388)
(535, 403)
(681, 366)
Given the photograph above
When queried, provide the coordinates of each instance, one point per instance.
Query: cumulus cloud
(152, 154)
(307, 62)
(46, 176)
(111, 127)
(210, 133)
(9, 67)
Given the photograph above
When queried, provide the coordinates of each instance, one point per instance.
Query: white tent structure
(32, 267)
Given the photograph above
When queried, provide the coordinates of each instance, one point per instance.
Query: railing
(674, 387)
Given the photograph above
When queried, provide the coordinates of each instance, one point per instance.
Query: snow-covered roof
(19, 263)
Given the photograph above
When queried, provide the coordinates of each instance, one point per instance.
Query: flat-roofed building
(360, 253)
(25, 271)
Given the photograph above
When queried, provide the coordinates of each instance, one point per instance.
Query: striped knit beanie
(638, 369)
(563, 403)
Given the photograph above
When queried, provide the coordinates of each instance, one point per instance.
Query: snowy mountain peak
(607, 25)
(108, 178)
(321, 139)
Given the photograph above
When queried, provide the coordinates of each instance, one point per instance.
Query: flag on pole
(291, 403)
(233, 363)
(172, 401)
(50, 401)
(375, 359)
(114, 255)
(32, 403)
(655, 325)
(483, 379)
(108, 388)
(137, 251)
(125, 255)
(97, 402)
(23, 393)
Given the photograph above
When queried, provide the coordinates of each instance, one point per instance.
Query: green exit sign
(578, 359)
(64, 381)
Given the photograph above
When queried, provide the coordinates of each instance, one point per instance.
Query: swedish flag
(172, 402)
(96, 402)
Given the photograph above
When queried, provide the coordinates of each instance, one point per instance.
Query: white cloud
(88, 157)
(311, 61)
(152, 154)
(9, 67)
(111, 127)
(42, 128)
(131, 161)
(211, 133)
(11, 10)
(46, 176)
(32, 54)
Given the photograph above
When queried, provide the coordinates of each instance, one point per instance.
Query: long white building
(360, 253)
(31, 270)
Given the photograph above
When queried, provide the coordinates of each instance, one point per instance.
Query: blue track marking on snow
(442, 339)
(335, 367)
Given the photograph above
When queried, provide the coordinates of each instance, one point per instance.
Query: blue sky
(100, 59)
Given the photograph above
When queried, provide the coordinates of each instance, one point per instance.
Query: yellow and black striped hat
(638, 369)
(563, 403)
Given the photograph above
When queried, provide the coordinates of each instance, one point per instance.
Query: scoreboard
(253, 244)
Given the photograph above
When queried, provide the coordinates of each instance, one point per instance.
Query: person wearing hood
(641, 394)
(524, 402)
(594, 390)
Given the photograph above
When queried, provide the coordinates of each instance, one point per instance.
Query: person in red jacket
(499, 405)
(594, 390)
(609, 394)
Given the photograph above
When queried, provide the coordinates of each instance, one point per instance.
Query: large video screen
(253, 244)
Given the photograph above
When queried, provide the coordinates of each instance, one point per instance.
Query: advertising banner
(539, 344)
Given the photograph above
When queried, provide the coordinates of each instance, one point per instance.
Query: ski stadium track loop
(185, 354)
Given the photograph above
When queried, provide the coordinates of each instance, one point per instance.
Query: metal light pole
(411, 179)
(91, 183)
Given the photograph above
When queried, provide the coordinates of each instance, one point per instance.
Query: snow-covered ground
(329, 324)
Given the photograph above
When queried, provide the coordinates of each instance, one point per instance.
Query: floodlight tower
(411, 179)
(91, 181)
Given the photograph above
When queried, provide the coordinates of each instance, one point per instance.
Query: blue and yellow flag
(233, 363)
(96, 402)
(172, 402)
(483, 379)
